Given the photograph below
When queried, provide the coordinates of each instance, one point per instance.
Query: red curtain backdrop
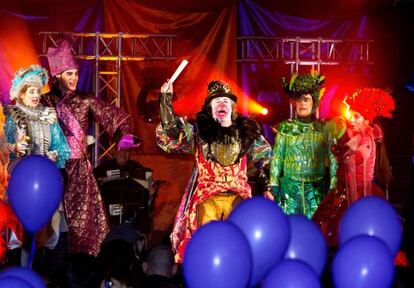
(208, 40)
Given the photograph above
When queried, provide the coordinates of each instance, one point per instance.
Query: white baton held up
(178, 71)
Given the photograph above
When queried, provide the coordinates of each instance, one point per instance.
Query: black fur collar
(246, 129)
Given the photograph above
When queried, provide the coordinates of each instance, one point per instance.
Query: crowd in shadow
(126, 260)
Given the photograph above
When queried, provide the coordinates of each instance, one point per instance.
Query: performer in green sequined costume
(302, 150)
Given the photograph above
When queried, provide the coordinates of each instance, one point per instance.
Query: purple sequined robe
(85, 211)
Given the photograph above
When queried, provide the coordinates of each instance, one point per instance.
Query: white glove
(167, 87)
(20, 135)
(21, 147)
(52, 155)
(90, 140)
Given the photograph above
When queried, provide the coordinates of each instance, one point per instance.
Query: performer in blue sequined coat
(33, 129)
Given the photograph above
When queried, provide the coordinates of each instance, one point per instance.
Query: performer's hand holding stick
(167, 86)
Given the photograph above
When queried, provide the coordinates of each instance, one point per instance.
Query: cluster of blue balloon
(370, 235)
(257, 245)
(35, 190)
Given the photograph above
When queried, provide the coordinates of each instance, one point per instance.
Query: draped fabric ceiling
(206, 36)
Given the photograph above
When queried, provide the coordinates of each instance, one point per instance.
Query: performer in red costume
(357, 156)
(225, 144)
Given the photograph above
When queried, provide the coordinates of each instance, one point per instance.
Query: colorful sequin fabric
(209, 177)
(85, 211)
(300, 154)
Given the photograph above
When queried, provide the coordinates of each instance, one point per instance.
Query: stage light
(260, 112)
(254, 107)
(347, 111)
(348, 114)
(265, 113)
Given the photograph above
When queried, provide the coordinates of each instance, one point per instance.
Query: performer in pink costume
(85, 212)
(357, 156)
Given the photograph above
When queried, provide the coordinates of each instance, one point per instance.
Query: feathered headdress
(371, 103)
(33, 75)
(305, 84)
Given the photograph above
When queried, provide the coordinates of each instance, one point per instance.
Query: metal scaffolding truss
(108, 51)
(304, 51)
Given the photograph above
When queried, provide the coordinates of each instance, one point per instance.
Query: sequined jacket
(258, 154)
(85, 210)
(43, 129)
(301, 152)
(77, 108)
(225, 146)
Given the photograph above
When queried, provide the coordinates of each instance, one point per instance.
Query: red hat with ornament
(371, 103)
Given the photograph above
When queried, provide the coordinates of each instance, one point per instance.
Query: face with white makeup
(222, 109)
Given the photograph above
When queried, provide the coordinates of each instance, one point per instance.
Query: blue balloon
(307, 243)
(217, 256)
(29, 276)
(372, 216)
(11, 281)
(291, 273)
(267, 230)
(35, 191)
(363, 262)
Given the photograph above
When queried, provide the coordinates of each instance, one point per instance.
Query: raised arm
(174, 134)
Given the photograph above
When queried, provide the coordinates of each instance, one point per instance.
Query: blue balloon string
(32, 252)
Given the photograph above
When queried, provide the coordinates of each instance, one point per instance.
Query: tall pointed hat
(61, 58)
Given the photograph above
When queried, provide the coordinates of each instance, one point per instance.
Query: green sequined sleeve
(334, 129)
(333, 165)
(277, 159)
